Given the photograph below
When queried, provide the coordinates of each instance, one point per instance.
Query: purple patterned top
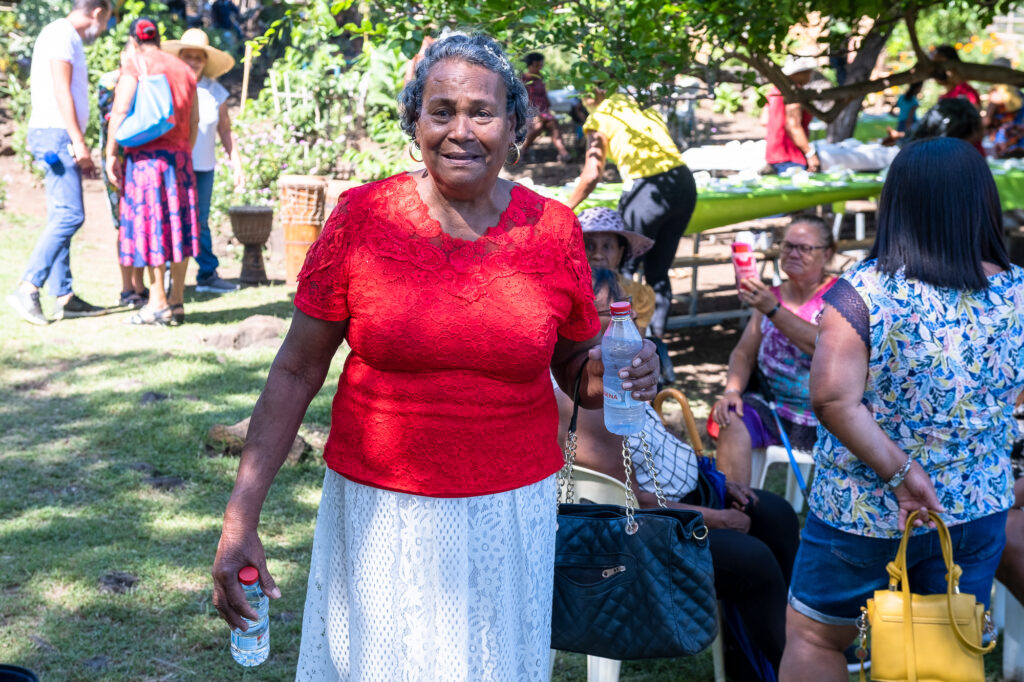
(786, 367)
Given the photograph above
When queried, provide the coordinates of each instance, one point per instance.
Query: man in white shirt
(56, 137)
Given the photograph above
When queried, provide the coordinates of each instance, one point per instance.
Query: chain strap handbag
(924, 638)
(630, 583)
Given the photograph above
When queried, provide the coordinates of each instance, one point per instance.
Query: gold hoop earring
(412, 146)
(519, 154)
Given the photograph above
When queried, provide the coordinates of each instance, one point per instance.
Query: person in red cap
(159, 226)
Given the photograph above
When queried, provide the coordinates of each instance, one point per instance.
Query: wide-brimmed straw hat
(218, 62)
(601, 220)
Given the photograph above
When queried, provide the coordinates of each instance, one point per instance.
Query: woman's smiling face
(464, 129)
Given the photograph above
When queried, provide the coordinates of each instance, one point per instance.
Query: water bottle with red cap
(251, 647)
(621, 343)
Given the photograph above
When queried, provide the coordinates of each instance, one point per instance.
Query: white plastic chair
(763, 458)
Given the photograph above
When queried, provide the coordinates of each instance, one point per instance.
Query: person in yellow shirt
(659, 193)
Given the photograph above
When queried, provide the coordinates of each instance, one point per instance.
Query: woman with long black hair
(915, 372)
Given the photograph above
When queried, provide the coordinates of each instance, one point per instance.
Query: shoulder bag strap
(565, 478)
(140, 66)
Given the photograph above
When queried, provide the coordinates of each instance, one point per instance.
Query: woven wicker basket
(251, 224)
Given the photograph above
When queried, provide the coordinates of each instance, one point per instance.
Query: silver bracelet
(897, 478)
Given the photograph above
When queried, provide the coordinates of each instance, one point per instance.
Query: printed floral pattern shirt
(944, 369)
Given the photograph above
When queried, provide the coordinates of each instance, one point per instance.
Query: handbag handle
(565, 477)
(897, 569)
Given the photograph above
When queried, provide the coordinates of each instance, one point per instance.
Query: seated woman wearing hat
(788, 145)
(609, 245)
(208, 63)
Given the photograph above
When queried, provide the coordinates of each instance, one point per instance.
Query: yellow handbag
(911, 635)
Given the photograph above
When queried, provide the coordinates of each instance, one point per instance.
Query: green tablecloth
(716, 208)
(870, 128)
(1011, 188)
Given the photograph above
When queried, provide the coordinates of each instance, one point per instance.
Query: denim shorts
(835, 572)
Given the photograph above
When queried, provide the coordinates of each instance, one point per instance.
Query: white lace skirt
(425, 589)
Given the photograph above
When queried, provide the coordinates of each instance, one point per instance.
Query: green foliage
(101, 56)
(319, 113)
(728, 99)
(641, 43)
(952, 24)
(16, 46)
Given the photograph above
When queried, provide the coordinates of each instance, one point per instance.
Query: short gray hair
(480, 50)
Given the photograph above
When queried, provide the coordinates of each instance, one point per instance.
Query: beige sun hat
(218, 62)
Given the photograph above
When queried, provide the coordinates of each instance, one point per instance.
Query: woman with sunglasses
(779, 341)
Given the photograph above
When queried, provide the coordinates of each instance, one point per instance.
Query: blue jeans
(835, 572)
(51, 258)
(204, 193)
(781, 168)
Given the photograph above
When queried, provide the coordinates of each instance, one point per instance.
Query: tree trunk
(858, 72)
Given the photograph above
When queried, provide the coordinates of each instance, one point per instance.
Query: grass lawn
(78, 454)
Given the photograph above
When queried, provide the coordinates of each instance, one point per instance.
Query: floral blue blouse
(944, 368)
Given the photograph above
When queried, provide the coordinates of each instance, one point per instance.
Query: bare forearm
(857, 429)
(116, 119)
(649, 500)
(740, 367)
(591, 390)
(227, 140)
(799, 136)
(802, 333)
(275, 422)
(587, 183)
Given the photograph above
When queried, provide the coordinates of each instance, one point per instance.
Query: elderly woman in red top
(159, 220)
(456, 291)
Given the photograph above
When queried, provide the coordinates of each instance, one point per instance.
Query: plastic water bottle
(621, 342)
(52, 159)
(250, 648)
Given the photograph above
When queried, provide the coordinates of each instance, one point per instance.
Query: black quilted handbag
(630, 583)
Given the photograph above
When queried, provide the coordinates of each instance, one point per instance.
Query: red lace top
(446, 391)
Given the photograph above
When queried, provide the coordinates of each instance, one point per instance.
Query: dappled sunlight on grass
(83, 457)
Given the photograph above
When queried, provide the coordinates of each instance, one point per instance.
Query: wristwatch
(774, 310)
